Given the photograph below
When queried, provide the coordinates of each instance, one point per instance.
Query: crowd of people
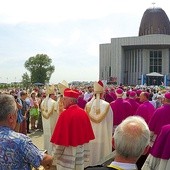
(84, 125)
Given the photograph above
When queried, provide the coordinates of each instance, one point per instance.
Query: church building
(144, 59)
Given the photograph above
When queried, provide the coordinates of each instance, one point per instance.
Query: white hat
(98, 87)
(50, 89)
(62, 86)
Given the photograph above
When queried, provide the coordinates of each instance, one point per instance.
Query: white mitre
(62, 86)
(50, 89)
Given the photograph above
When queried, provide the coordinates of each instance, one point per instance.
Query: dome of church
(154, 21)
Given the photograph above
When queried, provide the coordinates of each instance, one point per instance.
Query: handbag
(34, 112)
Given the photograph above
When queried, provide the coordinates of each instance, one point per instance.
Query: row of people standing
(18, 152)
(28, 106)
(104, 116)
(74, 130)
(101, 117)
(100, 113)
(155, 117)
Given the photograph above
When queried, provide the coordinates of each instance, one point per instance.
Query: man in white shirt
(88, 95)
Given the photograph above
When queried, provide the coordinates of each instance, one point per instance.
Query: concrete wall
(113, 55)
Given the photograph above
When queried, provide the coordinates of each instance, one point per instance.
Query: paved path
(37, 139)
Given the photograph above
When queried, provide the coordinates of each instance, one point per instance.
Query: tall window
(109, 71)
(156, 61)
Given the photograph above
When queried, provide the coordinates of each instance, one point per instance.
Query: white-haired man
(72, 134)
(131, 140)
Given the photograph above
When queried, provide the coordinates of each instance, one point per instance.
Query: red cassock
(73, 128)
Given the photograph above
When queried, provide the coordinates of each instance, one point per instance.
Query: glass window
(132, 56)
(159, 69)
(151, 69)
(156, 61)
(160, 54)
(151, 54)
(151, 62)
(155, 54)
(160, 62)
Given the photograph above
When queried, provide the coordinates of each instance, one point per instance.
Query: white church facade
(134, 60)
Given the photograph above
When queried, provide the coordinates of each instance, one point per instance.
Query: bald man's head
(131, 137)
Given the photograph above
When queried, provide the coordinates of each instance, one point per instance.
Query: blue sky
(68, 31)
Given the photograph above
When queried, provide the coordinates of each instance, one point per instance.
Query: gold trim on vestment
(115, 167)
(97, 118)
(45, 113)
(60, 105)
(87, 109)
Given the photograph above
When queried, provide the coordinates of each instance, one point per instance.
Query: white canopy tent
(154, 74)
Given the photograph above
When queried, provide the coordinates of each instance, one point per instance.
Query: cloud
(74, 36)
(93, 48)
(55, 42)
(46, 11)
(80, 74)
(68, 31)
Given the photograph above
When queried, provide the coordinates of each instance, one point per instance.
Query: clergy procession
(93, 127)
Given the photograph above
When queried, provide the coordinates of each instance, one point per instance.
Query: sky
(68, 31)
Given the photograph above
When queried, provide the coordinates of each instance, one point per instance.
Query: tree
(26, 80)
(40, 68)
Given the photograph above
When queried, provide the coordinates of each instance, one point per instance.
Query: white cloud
(54, 41)
(68, 31)
(42, 11)
(79, 74)
(93, 48)
(74, 36)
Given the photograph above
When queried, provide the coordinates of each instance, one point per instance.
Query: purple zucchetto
(167, 95)
(132, 94)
